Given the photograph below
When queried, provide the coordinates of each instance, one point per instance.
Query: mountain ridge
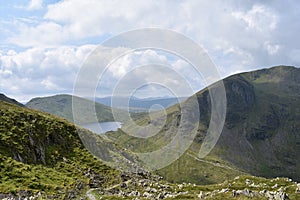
(61, 105)
(261, 134)
(10, 100)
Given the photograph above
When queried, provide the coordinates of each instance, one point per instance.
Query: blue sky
(43, 44)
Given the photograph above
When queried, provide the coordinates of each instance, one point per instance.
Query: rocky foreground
(146, 186)
(244, 187)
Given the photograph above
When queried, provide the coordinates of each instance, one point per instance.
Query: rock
(148, 195)
(281, 196)
(248, 181)
(275, 186)
(245, 192)
(134, 194)
(125, 177)
(72, 194)
(263, 191)
(153, 190)
(234, 194)
(160, 196)
(276, 195)
(224, 190)
(200, 195)
(180, 186)
(298, 188)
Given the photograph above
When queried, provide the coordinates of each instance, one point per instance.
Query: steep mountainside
(61, 105)
(261, 135)
(262, 132)
(9, 100)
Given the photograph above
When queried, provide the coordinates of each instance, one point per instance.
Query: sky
(44, 43)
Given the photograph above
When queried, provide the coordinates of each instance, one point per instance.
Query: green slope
(61, 105)
(261, 134)
(40, 152)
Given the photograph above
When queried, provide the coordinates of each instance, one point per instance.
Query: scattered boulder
(298, 188)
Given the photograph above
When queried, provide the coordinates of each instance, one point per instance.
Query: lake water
(102, 127)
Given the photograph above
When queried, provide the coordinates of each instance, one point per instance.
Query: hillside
(261, 134)
(10, 100)
(40, 152)
(46, 155)
(61, 105)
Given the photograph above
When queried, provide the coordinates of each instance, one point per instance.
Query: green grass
(48, 155)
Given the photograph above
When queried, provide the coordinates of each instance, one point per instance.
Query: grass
(40, 152)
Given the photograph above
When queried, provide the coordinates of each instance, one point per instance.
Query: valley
(45, 156)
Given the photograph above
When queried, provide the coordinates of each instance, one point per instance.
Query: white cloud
(35, 5)
(271, 48)
(239, 36)
(44, 34)
(39, 71)
(141, 68)
(258, 18)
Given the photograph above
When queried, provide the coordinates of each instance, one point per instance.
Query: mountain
(261, 135)
(61, 105)
(139, 104)
(45, 157)
(9, 100)
(42, 157)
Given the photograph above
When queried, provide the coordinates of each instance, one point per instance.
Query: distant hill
(261, 134)
(61, 105)
(9, 100)
(140, 104)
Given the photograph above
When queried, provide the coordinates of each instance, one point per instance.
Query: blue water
(102, 127)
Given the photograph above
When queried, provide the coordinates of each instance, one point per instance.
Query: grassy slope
(40, 152)
(261, 134)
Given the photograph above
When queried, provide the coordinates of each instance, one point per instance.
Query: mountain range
(45, 156)
(139, 104)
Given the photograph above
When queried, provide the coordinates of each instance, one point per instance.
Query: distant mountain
(261, 134)
(9, 100)
(140, 104)
(61, 105)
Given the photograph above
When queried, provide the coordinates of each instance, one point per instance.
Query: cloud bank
(43, 48)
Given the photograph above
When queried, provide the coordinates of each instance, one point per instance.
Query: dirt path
(90, 196)
(117, 185)
(213, 163)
